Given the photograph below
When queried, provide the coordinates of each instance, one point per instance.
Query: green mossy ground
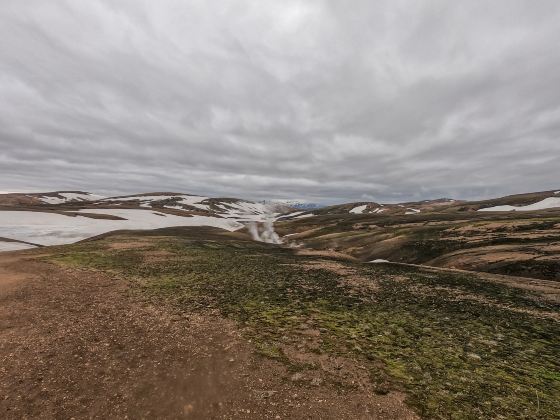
(456, 356)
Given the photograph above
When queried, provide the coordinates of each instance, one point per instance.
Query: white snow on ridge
(358, 209)
(547, 203)
(14, 246)
(52, 200)
(57, 229)
(146, 200)
(412, 211)
(238, 210)
(194, 201)
(247, 211)
(67, 197)
(303, 216)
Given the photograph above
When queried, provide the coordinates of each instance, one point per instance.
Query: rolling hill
(517, 234)
(61, 217)
(173, 293)
(477, 236)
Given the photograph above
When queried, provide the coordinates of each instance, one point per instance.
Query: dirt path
(79, 344)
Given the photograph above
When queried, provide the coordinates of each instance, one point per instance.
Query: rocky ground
(80, 344)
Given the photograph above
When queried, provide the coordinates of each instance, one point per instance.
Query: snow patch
(57, 229)
(69, 197)
(14, 246)
(379, 261)
(304, 216)
(290, 215)
(547, 203)
(147, 200)
(248, 211)
(358, 209)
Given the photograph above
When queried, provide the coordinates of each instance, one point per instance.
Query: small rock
(316, 381)
(296, 377)
(188, 408)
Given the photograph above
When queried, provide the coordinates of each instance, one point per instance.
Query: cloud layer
(325, 100)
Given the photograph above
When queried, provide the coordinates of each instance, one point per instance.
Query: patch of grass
(456, 357)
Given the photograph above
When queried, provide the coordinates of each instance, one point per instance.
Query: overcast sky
(329, 101)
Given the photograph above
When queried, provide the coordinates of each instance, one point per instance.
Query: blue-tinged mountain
(298, 204)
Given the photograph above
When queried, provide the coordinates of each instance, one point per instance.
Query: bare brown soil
(325, 253)
(15, 199)
(80, 344)
(138, 243)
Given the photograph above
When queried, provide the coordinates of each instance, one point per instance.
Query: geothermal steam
(264, 232)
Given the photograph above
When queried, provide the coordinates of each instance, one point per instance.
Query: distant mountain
(59, 217)
(408, 208)
(535, 201)
(247, 210)
(168, 202)
(521, 202)
(513, 235)
(228, 208)
(56, 197)
(298, 204)
(62, 217)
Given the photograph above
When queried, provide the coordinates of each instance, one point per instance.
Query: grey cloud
(325, 100)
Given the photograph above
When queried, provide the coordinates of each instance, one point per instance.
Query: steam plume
(264, 232)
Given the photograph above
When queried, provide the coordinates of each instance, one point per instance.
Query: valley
(172, 300)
